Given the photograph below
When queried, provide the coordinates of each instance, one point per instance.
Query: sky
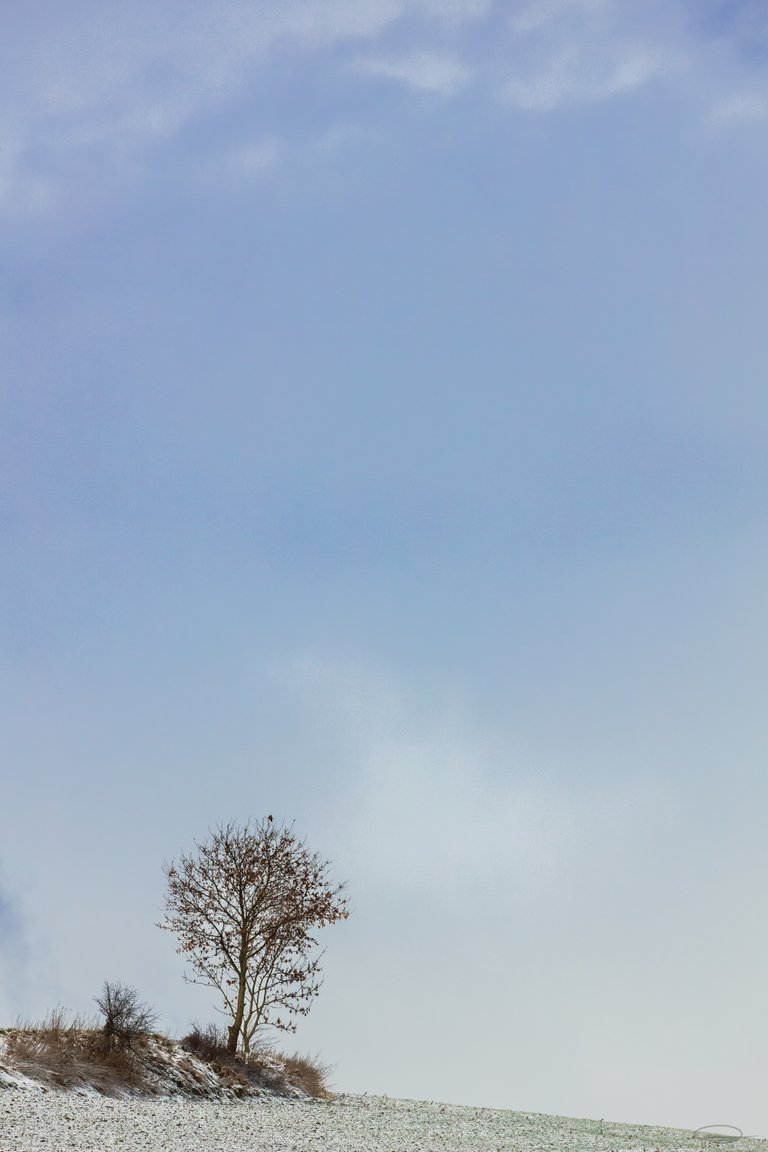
(383, 441)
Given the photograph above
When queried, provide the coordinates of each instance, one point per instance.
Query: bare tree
(125, 1018)
(244, 906)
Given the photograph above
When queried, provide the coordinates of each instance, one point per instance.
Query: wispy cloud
(93, 93)
(536, 14)
(102, 88)
(571, 76)
(456, 12)
(740, 108)
(90, 99)
(431, 73)
(582, 51)
(252, 160)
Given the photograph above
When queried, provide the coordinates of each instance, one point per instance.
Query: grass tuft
(308, 1074)
(66, 1053)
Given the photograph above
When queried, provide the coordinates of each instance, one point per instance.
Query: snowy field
(56, 1121)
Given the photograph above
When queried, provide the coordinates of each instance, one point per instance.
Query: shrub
(126, 1019)
(208, 1042)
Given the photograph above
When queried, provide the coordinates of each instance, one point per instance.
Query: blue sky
(384, 446)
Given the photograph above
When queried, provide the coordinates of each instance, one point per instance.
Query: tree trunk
(237, 1021)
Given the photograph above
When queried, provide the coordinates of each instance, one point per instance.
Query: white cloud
(436, 808)
(252, 160)
(431, 73)
(531, 17)
(740, 108)
(433, 807)
(431, 815)
(93, 92)
(582, 51)
(573, 75)
(455, 12)
(103, 85)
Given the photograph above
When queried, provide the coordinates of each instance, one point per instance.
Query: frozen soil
(56, 1121)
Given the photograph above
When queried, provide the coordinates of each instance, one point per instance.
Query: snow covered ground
(32, 1120)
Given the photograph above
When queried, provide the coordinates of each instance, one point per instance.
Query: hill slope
(34, 1121)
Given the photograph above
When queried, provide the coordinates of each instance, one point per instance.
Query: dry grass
(209, 1044)
(65, 1053)
(308, 1074)
(262, 1067)
(259, 1069)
